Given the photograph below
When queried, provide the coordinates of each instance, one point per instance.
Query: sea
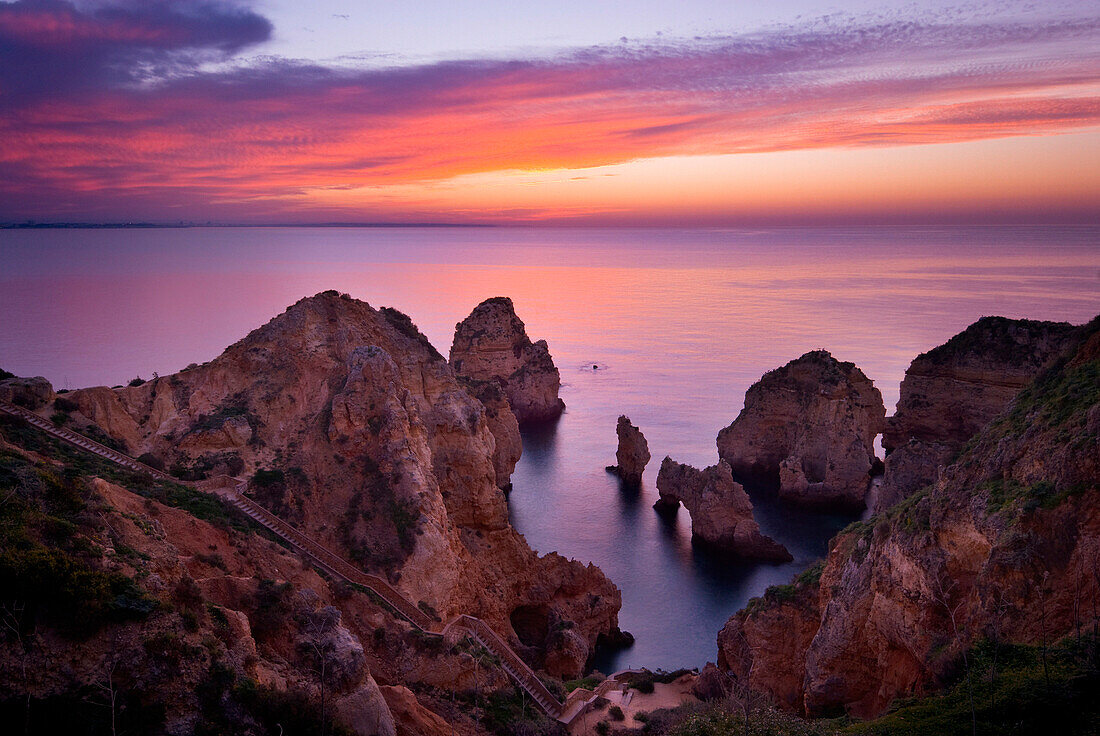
(667, 326)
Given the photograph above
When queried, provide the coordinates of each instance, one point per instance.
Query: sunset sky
(663, 112)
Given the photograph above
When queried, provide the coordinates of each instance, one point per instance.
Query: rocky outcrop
(809, 428)
(951, 392)
(369, 442)
(632, 454)
(1002, 545)
(721, 512)
(712, 684)
(503, 425)
(29, 393)
(909, 468)
(492, 345)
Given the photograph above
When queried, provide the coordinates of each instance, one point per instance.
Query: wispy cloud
(143, 118)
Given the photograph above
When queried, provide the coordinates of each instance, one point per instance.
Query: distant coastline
(182, 225)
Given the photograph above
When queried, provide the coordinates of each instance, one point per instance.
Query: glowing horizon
(152, 112)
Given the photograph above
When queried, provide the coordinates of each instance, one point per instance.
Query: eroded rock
(632, 454)
(29, 393)
(952, 391)
(371, 444)
(721, 512)
(492, 345)
(808, 427)
(996, 547)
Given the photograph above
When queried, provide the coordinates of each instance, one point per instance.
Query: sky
(649, 113)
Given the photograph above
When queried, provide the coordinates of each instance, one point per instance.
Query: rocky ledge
(492, 345)
(809, 428)
(721, 512)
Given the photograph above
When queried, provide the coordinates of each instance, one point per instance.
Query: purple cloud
(52, 48)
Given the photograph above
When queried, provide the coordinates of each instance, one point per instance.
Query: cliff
(951, 392)
(808, 427)
(353, 427)
(721, 512)
(492, 345)
(1003, 546)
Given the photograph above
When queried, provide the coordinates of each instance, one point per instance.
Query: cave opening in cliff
(531, 624)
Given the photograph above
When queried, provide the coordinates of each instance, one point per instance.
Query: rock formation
(808, 427)
(508, 445)
(1004, 544)
(492, 345)
(632, 454)
(721, 512)
(29, 393)
(951, 392)
(359, 432)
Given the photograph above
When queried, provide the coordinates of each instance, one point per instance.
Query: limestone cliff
(632, 453)
(951, 392)
(808, 427)
(721, 512)
(353, 427)
(1004, 545)
(492, 345)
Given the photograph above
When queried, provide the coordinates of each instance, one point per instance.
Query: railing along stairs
(233, 492)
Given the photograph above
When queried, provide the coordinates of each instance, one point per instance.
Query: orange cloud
(283, 140)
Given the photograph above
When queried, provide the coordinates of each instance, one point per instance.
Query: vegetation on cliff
(1003, 548)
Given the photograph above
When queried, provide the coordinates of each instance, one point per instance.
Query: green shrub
(616, 713)
(136, 381)
(68, 592)
(269, 478)
(66, 405)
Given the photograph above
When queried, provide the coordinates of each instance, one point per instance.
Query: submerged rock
(810, 427)
(632, 454)
(721, 512)
(492, 345)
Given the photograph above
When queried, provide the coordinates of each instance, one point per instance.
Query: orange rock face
(492, 345)
(1003, 545)
(369, 443)
(951, 392)
(721, 512)
(632, 453)
(809, 427)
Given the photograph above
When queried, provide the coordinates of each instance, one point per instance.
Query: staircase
(329, 562)
(83, 442)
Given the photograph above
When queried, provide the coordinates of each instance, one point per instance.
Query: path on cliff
(232, 491)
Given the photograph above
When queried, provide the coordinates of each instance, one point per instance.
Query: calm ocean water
(680, 323)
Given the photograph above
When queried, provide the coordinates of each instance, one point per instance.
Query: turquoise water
(680, 323)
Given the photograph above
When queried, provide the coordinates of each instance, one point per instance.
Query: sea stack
(809, 427)
(951, 392)
(632, 454)
(721, 512)
(492, 345)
